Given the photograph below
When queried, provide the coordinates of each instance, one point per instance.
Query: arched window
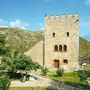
(60, 47)
(56, 48)
(65, 47)
(53, 34)
(67, 34)
(65, 61)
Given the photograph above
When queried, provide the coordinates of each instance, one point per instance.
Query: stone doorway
(56, 63)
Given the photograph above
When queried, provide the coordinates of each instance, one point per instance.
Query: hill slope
(84, 45)
(24, 40)
(21, 39)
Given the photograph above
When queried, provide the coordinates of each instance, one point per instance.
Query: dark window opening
(68, 34)
(65, 48)
(65, 61)
(53, 34)
(60, 47)
(56, 48)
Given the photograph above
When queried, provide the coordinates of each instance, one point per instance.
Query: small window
(67, 34)
(60, 47)
(56, 48)
(53, 34)
(65, 61)
(65, 47)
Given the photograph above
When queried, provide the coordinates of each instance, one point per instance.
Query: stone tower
(61, 41)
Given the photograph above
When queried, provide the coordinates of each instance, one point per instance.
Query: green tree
(2, 44)
(9, 61)
(25, 64)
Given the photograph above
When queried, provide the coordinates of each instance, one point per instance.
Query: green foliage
(87, 73)
(87, 67)
(60, 72)
(45, 71)
(81, 75)
(2, 39)
(9, 61)
(24, 63)
(36, 66)
(16, 76)
(4, 82)
(27, 79)
(2, 44)
(84, 58)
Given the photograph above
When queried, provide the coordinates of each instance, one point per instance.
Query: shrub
(60, 72)
(81, 75)
(45, 71)
(4, 82)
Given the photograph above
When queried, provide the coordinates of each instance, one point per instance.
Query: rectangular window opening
(65, 61)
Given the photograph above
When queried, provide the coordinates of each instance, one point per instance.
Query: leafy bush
(45, 71)
(60, 72)
(4, 82)
(36, 66)
(81, 75)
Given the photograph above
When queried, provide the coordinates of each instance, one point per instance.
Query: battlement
(63, 16)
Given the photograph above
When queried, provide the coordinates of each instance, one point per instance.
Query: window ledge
(61, 51)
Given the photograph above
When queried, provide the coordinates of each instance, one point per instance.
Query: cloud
(2, 21)
(19, 24)
(3, 26)
(41, 26)
(87, 2)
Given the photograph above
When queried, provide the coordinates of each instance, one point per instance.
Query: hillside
(21, 39)
(84, 45)
(24, 40)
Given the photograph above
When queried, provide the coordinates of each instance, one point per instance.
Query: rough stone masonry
(60, 47)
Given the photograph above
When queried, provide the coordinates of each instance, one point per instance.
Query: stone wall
(36, 52)
(60, 26)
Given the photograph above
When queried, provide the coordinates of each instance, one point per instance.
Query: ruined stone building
(60, 47)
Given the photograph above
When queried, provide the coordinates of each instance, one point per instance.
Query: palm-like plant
(9, 61)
